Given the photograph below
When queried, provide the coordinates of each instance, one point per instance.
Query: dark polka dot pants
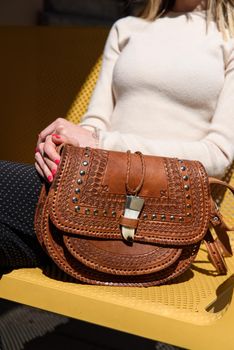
(19, 191)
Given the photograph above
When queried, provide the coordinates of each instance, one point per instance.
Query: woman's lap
(19, 190)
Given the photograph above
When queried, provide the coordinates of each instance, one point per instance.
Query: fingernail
(57, 136)
(53, 171)
(36, 149)
(50, 178)
(57, 161)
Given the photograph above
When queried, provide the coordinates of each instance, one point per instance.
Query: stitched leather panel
(119, 257)
(176, 193)
(53, 241)
(78, 222)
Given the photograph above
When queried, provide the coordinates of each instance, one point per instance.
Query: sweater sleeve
(215, 150)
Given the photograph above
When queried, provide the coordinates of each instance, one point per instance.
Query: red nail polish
(57, 136)
(57, 161)
(53, 171)
(36, 149)
(50, 178)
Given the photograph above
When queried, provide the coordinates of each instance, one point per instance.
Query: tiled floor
(23, 327)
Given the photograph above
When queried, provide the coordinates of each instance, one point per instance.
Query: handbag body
(126, 219)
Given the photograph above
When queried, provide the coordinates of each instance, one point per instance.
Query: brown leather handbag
(114, 218)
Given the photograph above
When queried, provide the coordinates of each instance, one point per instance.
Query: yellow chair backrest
(80, 104)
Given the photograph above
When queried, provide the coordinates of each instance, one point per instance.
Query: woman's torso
(168, 69)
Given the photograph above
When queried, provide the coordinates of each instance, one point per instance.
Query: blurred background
(47, 49)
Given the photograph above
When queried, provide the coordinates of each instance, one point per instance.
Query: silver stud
(215, 218)
(188, 205)
(87, 211)
(163, 217)
(186, 187)
(85, 163)
(95, 212)
(188, 196)
(79, 181)
(145, 216)
(172, 217)
(154, 216)
(189, 215)
(82, 172)
(180, 160)
(105, 212)
(183, 168)
(77, 208)
(77, 190)
(86, 155)
(181, 218)
(185, 178)
(74, 200)
(113, 214)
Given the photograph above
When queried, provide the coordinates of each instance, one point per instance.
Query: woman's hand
(47, 158)
(65, 131)
(60, 131)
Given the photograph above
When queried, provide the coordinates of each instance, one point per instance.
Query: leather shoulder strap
(213, 180)
(214, 209)
(222, 241)
(214, 254)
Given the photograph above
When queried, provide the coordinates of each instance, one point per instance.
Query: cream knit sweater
(167, 88)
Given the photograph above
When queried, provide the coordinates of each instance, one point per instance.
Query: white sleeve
(215, 150)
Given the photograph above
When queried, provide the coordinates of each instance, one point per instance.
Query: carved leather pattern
(53, 241)
(190, 230)
(103, 260)
(70, 236)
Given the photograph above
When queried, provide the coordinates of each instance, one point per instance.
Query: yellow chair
(196, 312)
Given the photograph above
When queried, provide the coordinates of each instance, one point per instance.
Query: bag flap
(88, 196)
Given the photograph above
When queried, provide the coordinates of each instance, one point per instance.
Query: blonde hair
(221, 10)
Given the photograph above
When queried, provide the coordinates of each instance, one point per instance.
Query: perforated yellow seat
(196, 312)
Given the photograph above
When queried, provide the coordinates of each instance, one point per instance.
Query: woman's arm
(214, 155)
(215, 150)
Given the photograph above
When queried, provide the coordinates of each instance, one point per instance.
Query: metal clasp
(133, 207)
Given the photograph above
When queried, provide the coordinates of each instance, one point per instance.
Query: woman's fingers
(44, 167)
(40, 148)
(50, 151)
(47, 131)
(39, 170)
(47, 158)
(58, 139)
(56, 127)
(51, 165)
